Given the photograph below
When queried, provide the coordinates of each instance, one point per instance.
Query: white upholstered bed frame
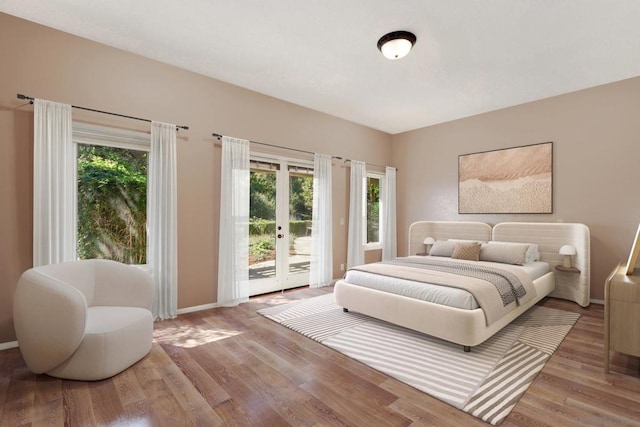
(468, 327)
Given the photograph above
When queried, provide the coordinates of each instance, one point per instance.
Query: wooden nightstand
(621, 313)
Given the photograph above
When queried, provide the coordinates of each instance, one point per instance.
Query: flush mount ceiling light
(397, 44)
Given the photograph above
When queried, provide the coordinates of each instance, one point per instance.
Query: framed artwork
(516, 180)
(633, 255)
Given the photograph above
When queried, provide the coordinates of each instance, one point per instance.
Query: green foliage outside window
(262, 199)
(301, 197)
(112, 204)
(373, 210)
(262, 212)
(262, 205)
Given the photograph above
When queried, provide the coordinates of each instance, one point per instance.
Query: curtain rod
(30, 99)
(219, 136)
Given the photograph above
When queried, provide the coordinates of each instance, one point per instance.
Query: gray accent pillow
(442, 248)
(532, 251)
(505, 254)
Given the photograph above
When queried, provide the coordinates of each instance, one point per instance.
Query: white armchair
(83, 320)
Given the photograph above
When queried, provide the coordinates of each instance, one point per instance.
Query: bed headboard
(550, 237)
(443, 230)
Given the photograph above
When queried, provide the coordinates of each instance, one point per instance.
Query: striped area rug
(486, 383)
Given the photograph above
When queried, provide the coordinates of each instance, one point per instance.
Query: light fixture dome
(396, 44)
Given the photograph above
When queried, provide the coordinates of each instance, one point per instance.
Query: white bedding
(444, 295)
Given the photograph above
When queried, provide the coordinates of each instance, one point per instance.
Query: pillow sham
(532, 254)
(505, 254)
(442, 248)
(467, 251)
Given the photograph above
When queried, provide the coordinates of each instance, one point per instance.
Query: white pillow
(505, 254)
(442, 248)
(532, 251)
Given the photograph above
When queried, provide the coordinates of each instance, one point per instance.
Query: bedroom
(595, 133)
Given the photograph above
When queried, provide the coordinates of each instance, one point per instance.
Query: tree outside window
(373, 209)
(112, 204)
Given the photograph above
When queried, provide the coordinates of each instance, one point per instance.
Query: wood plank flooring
(231, 366)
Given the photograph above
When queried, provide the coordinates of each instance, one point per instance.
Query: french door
(279, 224)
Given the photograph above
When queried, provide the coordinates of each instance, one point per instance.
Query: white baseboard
(597, 301)
(8, 345)
(197, 308)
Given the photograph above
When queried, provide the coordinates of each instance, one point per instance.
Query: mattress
(444, 295)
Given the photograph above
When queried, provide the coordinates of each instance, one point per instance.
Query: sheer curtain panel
(321, 273)
(233, 253)
(162, 213)
(357, 214)
(54, 184)
(388, 220)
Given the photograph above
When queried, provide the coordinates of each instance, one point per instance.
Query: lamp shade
(567, 250)
(428, 241)
(397, 44)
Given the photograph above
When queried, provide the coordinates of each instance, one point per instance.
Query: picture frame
(515, 180)
(633, 255)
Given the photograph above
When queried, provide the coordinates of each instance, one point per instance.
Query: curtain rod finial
(21, 96)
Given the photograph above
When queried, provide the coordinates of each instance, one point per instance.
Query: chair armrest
(123, 285)
(49, 318)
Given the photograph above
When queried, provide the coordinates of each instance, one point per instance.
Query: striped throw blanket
(507, 284)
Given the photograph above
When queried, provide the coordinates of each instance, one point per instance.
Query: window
(111, 194)
(374, 182)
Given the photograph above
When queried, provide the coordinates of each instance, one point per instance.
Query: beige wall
(595, 134)
(49, 64)
(372, 255)
(596, 143)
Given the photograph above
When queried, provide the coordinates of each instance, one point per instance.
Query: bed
(469, 326)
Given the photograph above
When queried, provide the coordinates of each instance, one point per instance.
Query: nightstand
(621, 313)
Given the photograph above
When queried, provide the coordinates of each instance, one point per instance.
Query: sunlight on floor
(274, 299)
(140, 422)
(189, 337)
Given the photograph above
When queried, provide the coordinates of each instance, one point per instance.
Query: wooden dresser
(621, 313)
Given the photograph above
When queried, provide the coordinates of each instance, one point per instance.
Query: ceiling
(470, 57)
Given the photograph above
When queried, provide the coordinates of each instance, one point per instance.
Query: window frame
(104, 136)
(369, 246)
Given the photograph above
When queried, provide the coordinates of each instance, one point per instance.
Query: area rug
(486, 383)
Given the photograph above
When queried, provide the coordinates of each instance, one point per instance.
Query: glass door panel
(300, 224)
(279, 226)
(262, 223)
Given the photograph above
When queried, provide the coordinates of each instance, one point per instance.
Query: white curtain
(54, 184)
(388, 219)
(357, 214)
(162, 212)
(321, 273)
(233, 258)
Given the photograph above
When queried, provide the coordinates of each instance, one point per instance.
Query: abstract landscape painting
(512, 180)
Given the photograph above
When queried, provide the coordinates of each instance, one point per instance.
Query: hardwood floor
(231, 366)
